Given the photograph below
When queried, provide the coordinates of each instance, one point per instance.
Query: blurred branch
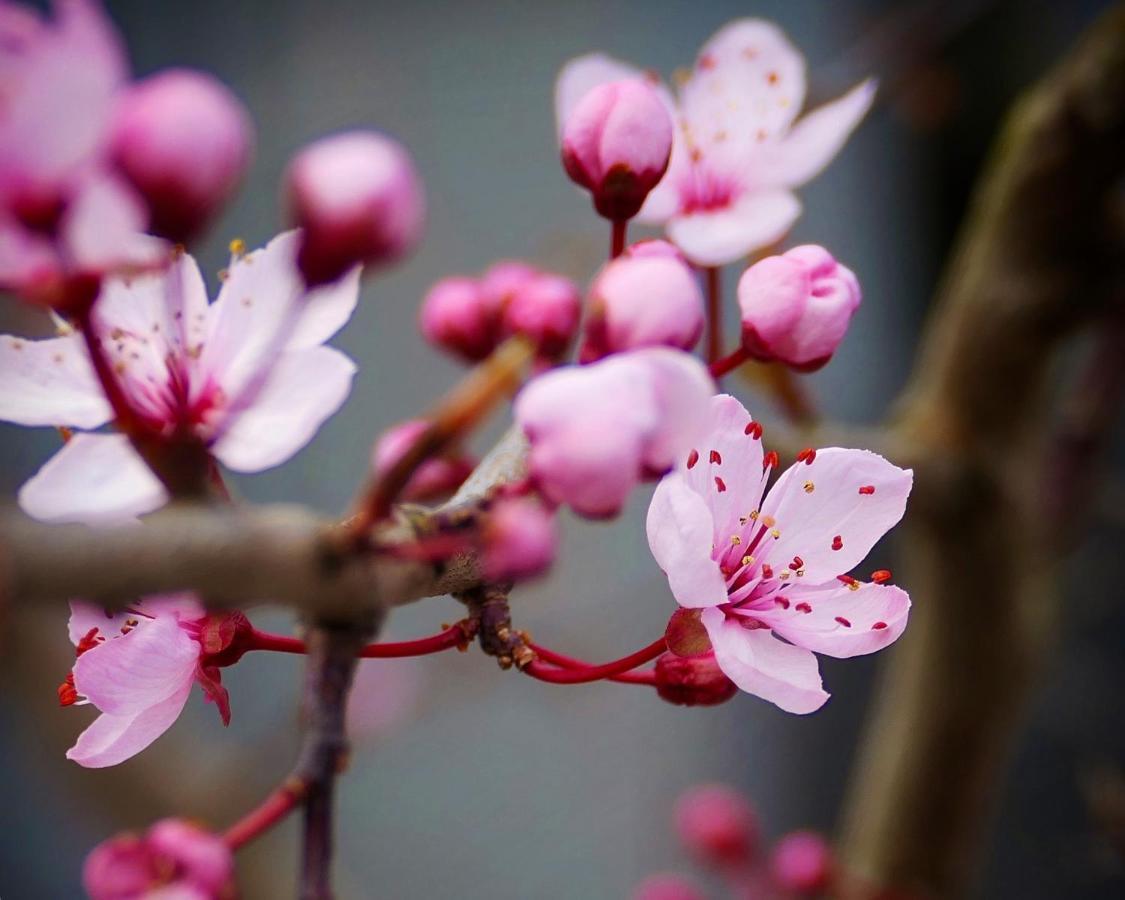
(1037, 258)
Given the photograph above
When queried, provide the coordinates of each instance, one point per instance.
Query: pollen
(784, 576)
(809, 487)
(773, 78)
(735, 539)
(768, 521)
(775, 534)
(237, 247)
(748, 560)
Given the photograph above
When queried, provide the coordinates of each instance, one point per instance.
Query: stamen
(806, 456)
(809, 487)
(837, 543)
(847, 579)
(803, 607)
(748, 560)
(843, 621)
(867, 489)
(771, 460)
(716, 458)
(767, 571)
(754, 430)
(782, 602)
(797, 563)
(878, 626)
(735, 539)
(720, 485)
(692, 459)
(881, 576)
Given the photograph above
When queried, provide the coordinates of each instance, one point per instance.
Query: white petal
(724, 235)
(49, 382)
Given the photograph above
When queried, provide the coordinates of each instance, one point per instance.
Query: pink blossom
(644, 299)
(247, 376)
(437, 476)
(796, 307)
(616, 142)
(137, 668)
(666, 886)
(546, 309)
(801, 863)
(596, 431)
(768, 569)
(737, 151)
(173, 859)
(183, 140)
(519, 538)
(65, 217)
(455, 318)
(358, 199)
(717, 825)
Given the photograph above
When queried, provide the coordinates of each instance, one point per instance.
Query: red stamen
(716, 458)
(68, 694)
(878, 626)
(782, 602)
(754, 429)
(843, 621)
(771, 460)
(692, 459)
(867, 489)
(803, 607)
(88, 641)
(881, 576)
(720, 485)
(767, 572)
(847, 579)
(806, 456)
(837, 543)
(797, 563)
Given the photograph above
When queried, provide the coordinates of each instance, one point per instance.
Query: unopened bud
(692, 681)
(520, 538)
(801, 862)
(717, 825)
(455, 318)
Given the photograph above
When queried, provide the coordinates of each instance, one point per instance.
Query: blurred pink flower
(738, 151)
(801, 863)
(596, 431)
(519, 538)
(666, 886)
(717, 825)
(437, 476)
(248, 376)
(796, 307)
(173, 860)
(767, 570)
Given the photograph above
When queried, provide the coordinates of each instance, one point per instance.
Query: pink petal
(113, 739)
(84, 617)
(103, 228)
(325, 311)
(842, 622)
(303, 390)
(26, 258)
(49, 382)
(815, 140)
(682, 387)
(582, 74)
(131, 673)
(764, 666)
(94, 478)
(814, 504)
(680, 532)
(721, 236)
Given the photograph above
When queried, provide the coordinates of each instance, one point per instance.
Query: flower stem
(272, 810)
(537, 668)
(569, 662)
(728, 363)
(617, 239)
(456, 635)
(714, 314)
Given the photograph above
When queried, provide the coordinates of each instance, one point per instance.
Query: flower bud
(801, 863)
(225, 638)
(666, 886)
(436, 477)
(359, 200)
(183, 140)
(649, 299)
(616, 144)
(692, 681)
(173, 854)
(796, 307)
(519, 540)
(654, 247)
(546, 309)
(717, 825)
(456, 318)
(502, 281)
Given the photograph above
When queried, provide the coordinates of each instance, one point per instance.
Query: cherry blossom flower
(738, 148)
(137, 668)
(248, 376)
(767, 571)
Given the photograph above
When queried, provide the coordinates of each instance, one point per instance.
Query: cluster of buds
(469, 317)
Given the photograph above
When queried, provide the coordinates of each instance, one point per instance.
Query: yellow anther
(809, 487)
(237, 247)
(775, 534)
(748, 560)
(735, 539)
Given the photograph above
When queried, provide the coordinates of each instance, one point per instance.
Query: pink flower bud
(654, 247)
(801, 862)
(173, 855)
(436, 477)
(692, 681)
(546, 309)
(359, 200)
(649, 299)
(666, 886)
(796, 307)
(456, 318)
(519, 540)
(717, 825)
(502, 281)
(596, 431)
(183, 140)
(616, 144)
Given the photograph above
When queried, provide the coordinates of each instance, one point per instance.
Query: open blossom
(738, 151)
(65, 216)
(767, 571)
(796, 307)
(248, 377)
(596, 431)
(173, 860)
(138, 667)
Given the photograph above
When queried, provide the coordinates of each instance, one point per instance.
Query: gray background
(493, 785)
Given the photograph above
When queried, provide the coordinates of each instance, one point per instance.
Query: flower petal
(85, 616)
(94, 478)
(49, 382)
(305, 388)
(584, 73)
(680, 533)
(325, 311)
(103, 228)
(113, 739)
(764, 666)
(721, 236)
(131, 673)
(816, 503)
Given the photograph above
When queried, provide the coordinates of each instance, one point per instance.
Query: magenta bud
(692, 681)
(519, 539)
(796, 307)
(546, 309)
(666, 886)
(650, 299)
(502, 281)
(436, 477)
(358, 199)
(183, 140)
(801, 863)
(616, 144)
(456, 318)
(717, 825)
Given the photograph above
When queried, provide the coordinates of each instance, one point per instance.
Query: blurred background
(471, 782)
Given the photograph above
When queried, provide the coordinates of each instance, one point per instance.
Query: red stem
(728, 363)
(454, 636)
(617, 241)
(261, 819)
(569, 662)
(580, 673)
(714, 314)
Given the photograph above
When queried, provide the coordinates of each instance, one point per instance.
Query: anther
(878, 626)
(771, 460)
(806, 456)
(803, 607)
(692, 459)
(716, 458)
(881, 576)
(782, 602)
(797, 563)
(837, 543)
(867, 489)
(720, 485)
(754, 430)
(809, 487)
(843, 621)
(767, 570)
